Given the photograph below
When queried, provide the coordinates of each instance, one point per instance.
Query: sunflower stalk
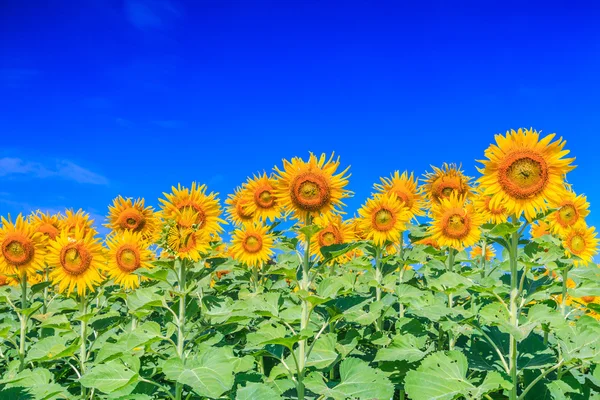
(304, 319)
(401, 274)
(563, 299)
(483, 255)
(514, 310)
(181, 322)
(23, 320)
(83, 340)
(378, 278)
(451, 254)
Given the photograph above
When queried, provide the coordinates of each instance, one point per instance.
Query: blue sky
(129, 97)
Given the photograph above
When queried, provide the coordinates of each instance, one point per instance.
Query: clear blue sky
(100, 98)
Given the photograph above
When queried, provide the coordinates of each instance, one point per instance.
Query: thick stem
(483, 251)
(83, 340)
(304, 318)
(23, 320)
(181, 323)
(514, 320)
(45, 305)
(401, 274)
(451, 254)
(563, 300)
(256, 278)
(378, 278)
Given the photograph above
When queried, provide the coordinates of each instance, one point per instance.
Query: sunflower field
(440, 287)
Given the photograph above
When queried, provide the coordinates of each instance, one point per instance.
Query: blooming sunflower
(260, 198)
(205, 207)
(77, 259)
(405, 188)
(443, 182)
(311, 187)
(252, 245)
(540, 228)
(333, 231)
(237, 207)
(455, 223)
(477, 252)
(580, 241)
(77, 219)
(571, 211)
(523, 173)
(22, 248)
(46, 223)
(129, 215)
(494, 215)
(184, 239)
(383, 218)
(127, 252)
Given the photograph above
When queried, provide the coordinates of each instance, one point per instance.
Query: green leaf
(108, 377)
(52, 347)
(404, 347)
(146, 333)
(323, 353)
(559, 389)
(310, 230)
(253, 391)
(144, 298)
(335, 250)
(357, 381)
(450, 282)
(209, 374)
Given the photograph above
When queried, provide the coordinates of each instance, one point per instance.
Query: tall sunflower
(580, 241)
(22, 248)
(204, 206)
(237, 207)
(46, 223)
(129, 215)
(523, 173)
(333, 231)
(73, 220)
(77, 259)
(443, 182)
(455, 223)
(252, 245)
(311, 187)
(405, 188)
(494, 215)
(571, 211)
(127, 252)
(260, 198)
(184, 238)
(383, 218)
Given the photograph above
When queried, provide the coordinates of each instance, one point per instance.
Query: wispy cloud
(151, 14)
(63, 169)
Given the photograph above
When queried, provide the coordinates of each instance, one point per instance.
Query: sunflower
(252, 245)
(237, 207)
(47, 224)
(129, 215)
(524, 173)
(333, 231)
(77, 219)
(494, 215)
(184, 239)
(77, 258)
(204, 206)
(260, 198)
(22, 248)
(477, 252)
(455, 223)
(383, 218)
(405, 188)
(127, 252)
(311, 187)
(587, 300)
(571, 211)
(443, 182)
(540, 228)
(580, 241)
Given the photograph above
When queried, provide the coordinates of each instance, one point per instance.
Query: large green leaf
(109, 377)
(253, 391)
(404, 347)
(323, 353)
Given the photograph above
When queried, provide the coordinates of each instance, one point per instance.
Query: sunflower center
(128, 258)
(383, 220)
(577, 244)
(132, 219)
(456, 226)
(405, 198)
(49, 230)
(588, 299)
(445, 186)
(329, 236)
(264, 198)
(75, 259)
(242, 211)
(252, 243)
(17, 250)
(567, 215)
(310, 192)
(524, 174)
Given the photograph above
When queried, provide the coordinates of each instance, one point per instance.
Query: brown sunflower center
(75, 259)
(194, 208)
(242, 211)
(132, 219)
(329, 236)
(252, 243)
(128, 258)
(383, 220)
(404, 197)
(588, 299)
(49, 230)
(524, 174)
(264, 198)
(444, 186)
(310, 192)
(567, 215)
(456, 225)
(577, 244)
(17, 249)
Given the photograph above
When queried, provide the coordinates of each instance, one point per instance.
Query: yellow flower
(128, 215)
(184, 239)
(580, 241)
(455, 223)
(77, 258)
(260, 198)
(443, 182)
(333, 231)
(429, 241)
(523, 173)
(383, 218)
(539, 229)
(572, 210)
(405, 188)
(47, 224)
(204, 206)
(22, 248)
(494, 215)
(252, 245)
(476, 252)
(238, 207)
(77, 219)
(311, 187)
(127, 252)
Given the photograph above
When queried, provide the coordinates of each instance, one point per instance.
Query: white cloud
(10, 166)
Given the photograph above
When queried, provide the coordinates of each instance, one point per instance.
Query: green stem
(181, 323)
(451, 254)
(378, 277)
(256, 278)
(23, 320)
(563, 304)
(483, 250)
(539, 378)
(514, 320)
(83, 340)
(304, 318)
(401, 274)
(45, 305)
